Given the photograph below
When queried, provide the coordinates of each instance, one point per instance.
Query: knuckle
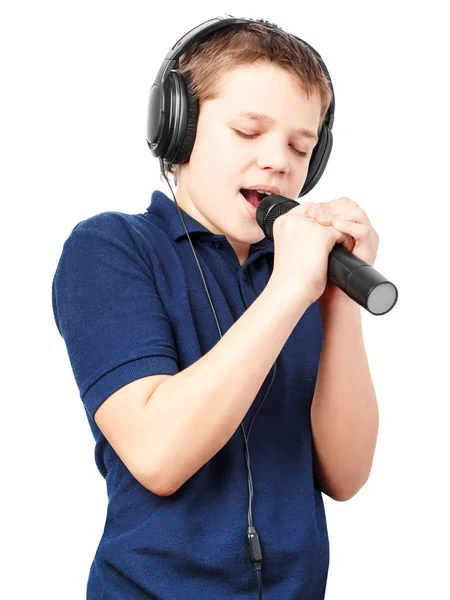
(349, 202)
(303, 207)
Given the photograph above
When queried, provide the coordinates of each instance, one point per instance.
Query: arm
(344, 412)
(193, 414)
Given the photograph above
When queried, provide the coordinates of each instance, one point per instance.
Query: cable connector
(254, 546)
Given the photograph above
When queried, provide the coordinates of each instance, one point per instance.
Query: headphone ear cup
(319, 159)
(187, 117)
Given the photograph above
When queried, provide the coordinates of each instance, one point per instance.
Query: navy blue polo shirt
(129, 302)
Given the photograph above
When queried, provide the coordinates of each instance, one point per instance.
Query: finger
(311, 209)
(357, 215)
(345, 208)
(303, 208)
(358, 231)
(339, 202)
(306, 205)
(342, 237)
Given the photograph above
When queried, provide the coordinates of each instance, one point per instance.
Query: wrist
(285, 294)
(335, 301)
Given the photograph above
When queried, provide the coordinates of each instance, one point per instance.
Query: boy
(165, 398)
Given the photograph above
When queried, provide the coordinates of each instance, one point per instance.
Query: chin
(247, 235)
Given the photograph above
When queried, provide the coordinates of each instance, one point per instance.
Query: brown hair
(204, 64)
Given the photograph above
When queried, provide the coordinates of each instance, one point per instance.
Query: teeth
(262, 193)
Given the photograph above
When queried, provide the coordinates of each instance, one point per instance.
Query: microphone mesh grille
(271, 208)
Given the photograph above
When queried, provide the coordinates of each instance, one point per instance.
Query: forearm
(344, 412)
(192, 415)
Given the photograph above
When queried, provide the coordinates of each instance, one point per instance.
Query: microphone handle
(361, 282)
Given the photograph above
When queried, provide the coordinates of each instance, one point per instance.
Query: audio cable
(252, 535)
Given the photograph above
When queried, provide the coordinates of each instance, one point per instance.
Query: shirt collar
(166, 211)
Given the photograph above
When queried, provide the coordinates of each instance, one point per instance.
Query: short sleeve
(108, 310)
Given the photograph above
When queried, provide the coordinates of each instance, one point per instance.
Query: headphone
(171, 131)
(173, 111)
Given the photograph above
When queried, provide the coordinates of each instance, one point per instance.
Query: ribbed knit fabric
(129, 302)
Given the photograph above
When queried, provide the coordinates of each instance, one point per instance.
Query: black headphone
(173, 111)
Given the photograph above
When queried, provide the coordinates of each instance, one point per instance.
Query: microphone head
(270, 208)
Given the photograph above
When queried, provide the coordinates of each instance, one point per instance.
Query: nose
(273, 153)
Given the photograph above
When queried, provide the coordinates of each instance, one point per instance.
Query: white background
(75, 80)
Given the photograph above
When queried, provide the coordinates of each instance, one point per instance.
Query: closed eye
(254, 135)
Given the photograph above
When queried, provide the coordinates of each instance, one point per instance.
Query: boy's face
(222, 162)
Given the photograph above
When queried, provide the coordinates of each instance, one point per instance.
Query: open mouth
(253, 197)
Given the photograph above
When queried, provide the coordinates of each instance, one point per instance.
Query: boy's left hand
(347, 216)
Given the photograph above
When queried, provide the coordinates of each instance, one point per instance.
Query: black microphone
(359, 280)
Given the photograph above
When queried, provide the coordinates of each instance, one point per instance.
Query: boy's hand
(348, 217)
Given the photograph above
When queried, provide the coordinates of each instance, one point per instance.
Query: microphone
(359, 280)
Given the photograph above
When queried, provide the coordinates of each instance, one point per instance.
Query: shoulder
(113, 231)
(112, 224)
(108, 244)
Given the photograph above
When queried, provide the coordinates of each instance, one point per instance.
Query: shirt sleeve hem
(124, 374)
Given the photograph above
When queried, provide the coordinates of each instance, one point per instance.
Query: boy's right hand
(302, 247)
